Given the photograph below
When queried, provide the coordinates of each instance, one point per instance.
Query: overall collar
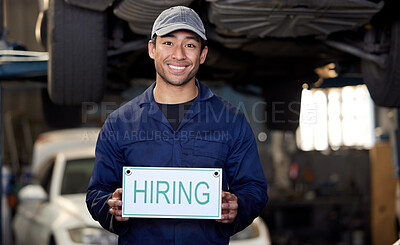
(148, 97)
(154, 111)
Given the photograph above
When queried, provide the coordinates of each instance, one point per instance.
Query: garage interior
(341, 194)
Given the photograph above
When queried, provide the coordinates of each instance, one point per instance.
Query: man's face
(177, 57)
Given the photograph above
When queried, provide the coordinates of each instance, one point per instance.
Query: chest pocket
(148, 153)
(208, 154)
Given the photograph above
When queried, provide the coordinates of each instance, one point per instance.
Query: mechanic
(185, 125)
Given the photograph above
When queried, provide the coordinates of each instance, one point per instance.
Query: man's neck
(166, 93)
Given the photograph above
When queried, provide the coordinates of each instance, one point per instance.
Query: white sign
(155, 192)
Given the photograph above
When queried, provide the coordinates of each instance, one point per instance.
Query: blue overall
(213, 134)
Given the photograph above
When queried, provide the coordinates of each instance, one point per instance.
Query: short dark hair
(202, 42)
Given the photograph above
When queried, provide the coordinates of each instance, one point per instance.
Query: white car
(53, 210)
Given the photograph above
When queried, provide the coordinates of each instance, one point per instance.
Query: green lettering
(135, 190)
(188, 197)
(162, 192)
(204, 194)
(173, 193)
(151, 192)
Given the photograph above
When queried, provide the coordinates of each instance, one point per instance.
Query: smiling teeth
(177, 67)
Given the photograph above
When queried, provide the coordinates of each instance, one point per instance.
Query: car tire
(77, 44)
(384, 83)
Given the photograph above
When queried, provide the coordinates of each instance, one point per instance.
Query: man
(177, 122)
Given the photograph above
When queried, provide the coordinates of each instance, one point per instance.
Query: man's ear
(203, 55)
(151, 47)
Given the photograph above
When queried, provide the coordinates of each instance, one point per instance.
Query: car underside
(271, 44)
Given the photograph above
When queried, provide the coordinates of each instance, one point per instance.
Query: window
(336, 117)
(77, 174)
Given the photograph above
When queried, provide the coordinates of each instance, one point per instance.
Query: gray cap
(178, 18)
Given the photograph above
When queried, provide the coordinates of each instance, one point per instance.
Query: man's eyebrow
(192, 37)
(195, 38)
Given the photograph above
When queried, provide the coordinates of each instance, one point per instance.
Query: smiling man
(180, 122)
(177, 59)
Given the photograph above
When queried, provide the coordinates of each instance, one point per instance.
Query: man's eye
(190, 45)
(168, 43)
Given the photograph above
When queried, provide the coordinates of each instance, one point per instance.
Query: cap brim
(166, 30)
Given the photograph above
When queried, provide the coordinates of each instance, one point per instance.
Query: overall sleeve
(246, 179)
(106, 178)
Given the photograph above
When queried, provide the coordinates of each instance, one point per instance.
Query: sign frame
(146, 210)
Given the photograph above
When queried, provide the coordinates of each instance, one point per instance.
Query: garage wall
(21, 20)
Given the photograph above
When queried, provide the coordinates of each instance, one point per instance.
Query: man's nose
(179, 53)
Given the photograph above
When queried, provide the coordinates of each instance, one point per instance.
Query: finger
(225, 220)
(229, 206)
(114, 203)
(230, 216)
(117, 194)
(111, 211)
(230, 197)
(118, 215)
(120, 218)
(115, 211)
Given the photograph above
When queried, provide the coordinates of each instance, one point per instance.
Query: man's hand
(115, 204)
(229, 208)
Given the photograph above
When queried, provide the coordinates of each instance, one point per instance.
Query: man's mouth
(177, 67)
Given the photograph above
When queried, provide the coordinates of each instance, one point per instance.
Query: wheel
(77, 44)
(41, 29)
(384, 83)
